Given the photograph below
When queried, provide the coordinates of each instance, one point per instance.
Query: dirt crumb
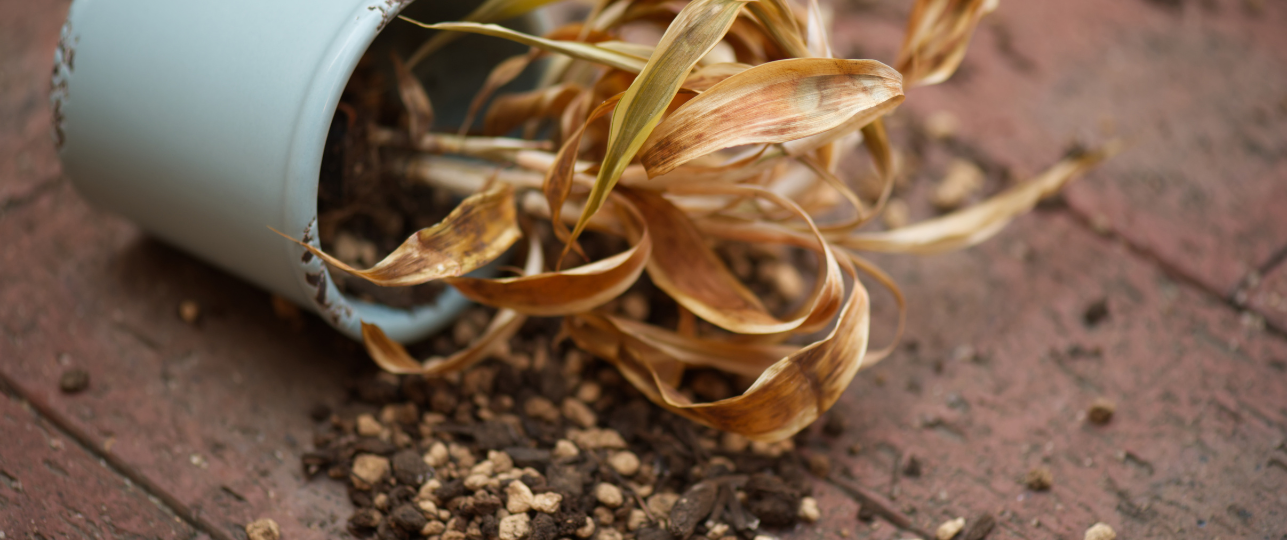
(263, 529)
(73, 381)
(1100, 531)
(949, 528)
(1039, 479)
(1101, 411)
(189, 311)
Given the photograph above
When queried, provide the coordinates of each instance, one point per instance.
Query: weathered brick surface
(50, 487)
(1196, 90)
(214, 414)
(1194, 450)
(28, 35)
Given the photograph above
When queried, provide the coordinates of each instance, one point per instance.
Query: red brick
(1198, 395)
(1197, 92)
(50, 487)
(28, 35)
(201, 411)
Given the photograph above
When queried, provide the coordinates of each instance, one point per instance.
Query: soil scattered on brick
(1101, 411)
(73, 381)
(1039, 479)
(543, 444)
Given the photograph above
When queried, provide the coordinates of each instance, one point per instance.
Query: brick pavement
(210, 417)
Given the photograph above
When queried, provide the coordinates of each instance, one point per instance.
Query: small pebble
(897, 214)
(589, 392)
(636, 520)
(962, 180)
(432, 528)
(1039, 479)
(368, 426)
(941, 125)
(595, 438)
(609, 534)
(608, 495)
(519, 497)
(475, 482)
(1100, 531)
(189, 311)
(604, 516)
(515, 527)
(486, 468)
(624, 462)
(1101, 411)
(369, 470)
(661, 503)
(547, 503)
(544, 409)
(564, 449)
(501, 462)
(585, 531)
(949, 529)
(733, 443)
(579, 413)
(635, 306)
(809, 510)
(717, 530)
(437, 455)
(263, 529)
(73, 381)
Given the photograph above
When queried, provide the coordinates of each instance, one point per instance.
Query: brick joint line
(9, 386)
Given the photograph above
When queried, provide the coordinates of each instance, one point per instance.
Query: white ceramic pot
(204, 122)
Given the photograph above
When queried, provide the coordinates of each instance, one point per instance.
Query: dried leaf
(772, 103)
(697, 28)
(488, 12)
(567, 292)
(778, 20)
(574, 49)
(415, 99)
(709, 75)
(393, 357)
(475, 233)
(977, 223)
(690, 272)
(558, 179)
(501, 75)
(938, 33)
(511, 111)
(788, 396)
(816, 39)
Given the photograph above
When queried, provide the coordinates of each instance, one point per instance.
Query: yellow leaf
(771, 103)
(938, 33)
(481, 228)
(575, 49)
(697, 28)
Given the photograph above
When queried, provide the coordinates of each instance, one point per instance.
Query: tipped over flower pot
(205, 123)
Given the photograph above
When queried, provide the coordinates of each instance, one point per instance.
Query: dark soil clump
(527, 442)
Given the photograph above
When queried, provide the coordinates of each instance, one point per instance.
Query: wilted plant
(724, 132)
